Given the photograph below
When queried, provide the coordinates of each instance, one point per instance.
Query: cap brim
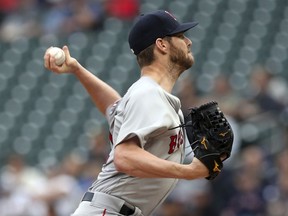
(184, 27)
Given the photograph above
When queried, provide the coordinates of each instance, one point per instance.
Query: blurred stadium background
(53, 140)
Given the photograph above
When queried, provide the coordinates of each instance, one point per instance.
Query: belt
(126, 209)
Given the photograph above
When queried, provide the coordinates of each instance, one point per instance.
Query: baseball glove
(210, 136)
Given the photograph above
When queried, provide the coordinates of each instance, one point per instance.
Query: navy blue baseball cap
(148, 27)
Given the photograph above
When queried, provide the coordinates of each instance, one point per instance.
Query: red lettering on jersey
(110, 138)
(175, 142)
(180, 139)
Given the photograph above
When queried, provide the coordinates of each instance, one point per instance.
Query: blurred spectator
(281, 161)
(276, 194)
(252, 161)
(90, 171)
(231, 102)
(171, 208)
(248, 198)
(61, 191)
(189, 199)
(260, 93)
(19, 183)
(21, 21)
(223, 93)
(6, 7)
(122, 9)
(100, 146)
(186, 91)
(200, 201)
(98, 154)
(249, 181)
(68, 16)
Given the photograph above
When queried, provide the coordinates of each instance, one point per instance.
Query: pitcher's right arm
(101, 93)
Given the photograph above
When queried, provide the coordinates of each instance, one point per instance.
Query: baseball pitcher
(147, 128)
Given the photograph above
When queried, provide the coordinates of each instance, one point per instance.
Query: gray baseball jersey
(148, 112)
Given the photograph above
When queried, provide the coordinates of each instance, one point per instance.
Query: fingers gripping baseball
(54, 61)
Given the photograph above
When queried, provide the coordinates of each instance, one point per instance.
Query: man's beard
(180, 58)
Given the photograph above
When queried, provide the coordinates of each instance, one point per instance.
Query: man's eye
(181, 36)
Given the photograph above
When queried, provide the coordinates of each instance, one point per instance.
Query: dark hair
(146, 57)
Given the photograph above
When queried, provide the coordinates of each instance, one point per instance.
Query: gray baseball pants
(101, 204)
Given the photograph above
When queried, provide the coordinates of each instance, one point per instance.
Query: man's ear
(161, 45)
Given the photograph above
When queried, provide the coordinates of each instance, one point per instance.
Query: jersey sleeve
(146, 115)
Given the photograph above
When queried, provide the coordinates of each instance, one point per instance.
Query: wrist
(197, 170)
(77, 69)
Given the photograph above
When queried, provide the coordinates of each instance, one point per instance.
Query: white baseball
(58, 54)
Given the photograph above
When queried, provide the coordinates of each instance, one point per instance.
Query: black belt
(125, 210)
